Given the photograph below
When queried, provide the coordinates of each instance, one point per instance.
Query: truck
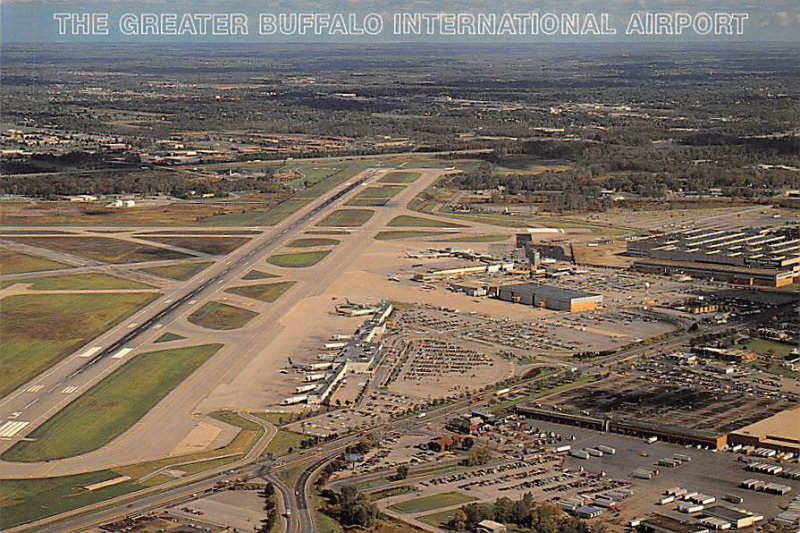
(562, 449)
(651, 440)
(606, 449)
(293, 400)
(594, 452)
(733, 498)
(580, 454)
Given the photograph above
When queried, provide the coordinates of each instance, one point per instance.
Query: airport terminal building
(746, 257)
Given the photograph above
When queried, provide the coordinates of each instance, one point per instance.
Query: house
(490, 526)
(466, 426)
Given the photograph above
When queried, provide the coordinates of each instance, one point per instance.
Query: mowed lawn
(411, 221)
(401, 176)
(216, 315)
(77, 282)
(105, 249)
(25, 500)
(475, 238)
(257, 274)
(312, 242)
(111, 406)
(400, 234)
(180, 272)
(375, 196)
(297, 260)
(268, 217)
(428, 503)
(347, 218)
(15, 263)
(283, 442)
(207, 245)
(266, 292)
(37, 331)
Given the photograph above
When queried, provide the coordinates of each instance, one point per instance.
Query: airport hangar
(550, 297)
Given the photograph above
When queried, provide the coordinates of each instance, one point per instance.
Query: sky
(33, 20)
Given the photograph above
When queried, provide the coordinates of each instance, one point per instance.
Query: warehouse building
(779, 432)
(550, 297)
(746, 257)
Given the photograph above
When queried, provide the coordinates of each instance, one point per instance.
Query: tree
(402, 472)
(478, 456)
(353, 508)
(458, 522)
(271, 508)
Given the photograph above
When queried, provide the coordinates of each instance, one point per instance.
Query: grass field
(312, 242)
(412, 221)
(37, 330)
(78, 282)
(475, 238)
(169, 337)
(375, 196)
(266, 292)
(72, 214)
(347, 218)
(111, 406)
(283, 441)
(325, 179)
(216, 315)
(439, 519)
(428, 164)
(16, 263)
(429, 503)
(180, 272)
(263, 217)
(25, 500)
(328, 232)
(207, 245)
(400, 176)
(297, 260)
(200, 232)
(763, 347)
(105, 249)
(395, 235)
(257, 274)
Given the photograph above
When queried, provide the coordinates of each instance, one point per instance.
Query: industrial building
(746, 257)
(636, 428)
(550, 297)
(666, 524)
(779, 432)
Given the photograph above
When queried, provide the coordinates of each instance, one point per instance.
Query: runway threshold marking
(91, 351)
(34, 388)
(122, 353)
(68, 390)
(9, 429)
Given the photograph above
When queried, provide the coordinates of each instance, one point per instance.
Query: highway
(36, 401)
